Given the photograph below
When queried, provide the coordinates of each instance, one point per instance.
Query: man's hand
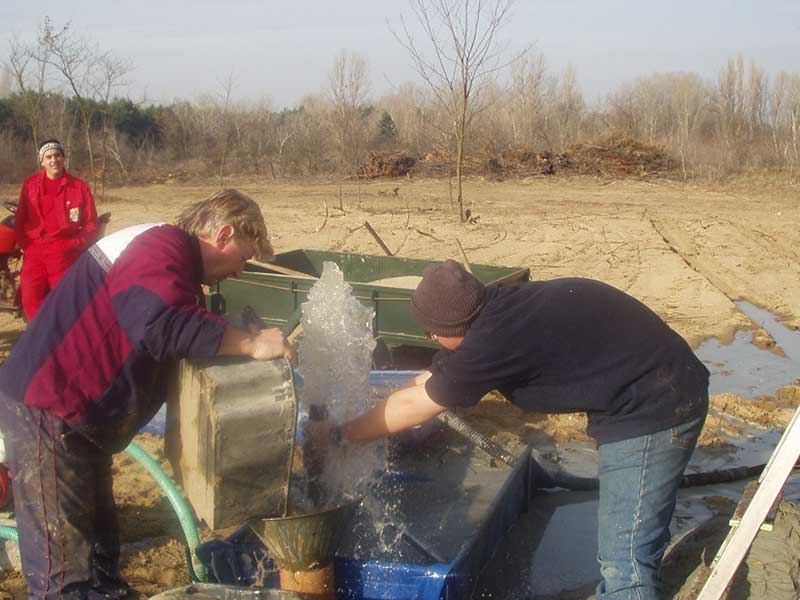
(322, 434)
(266, 344)
(269, 344)
(403, 409)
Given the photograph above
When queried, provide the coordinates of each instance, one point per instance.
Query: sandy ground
(687, 250)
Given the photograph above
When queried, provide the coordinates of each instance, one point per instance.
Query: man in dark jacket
(86, 376)
(561, 346)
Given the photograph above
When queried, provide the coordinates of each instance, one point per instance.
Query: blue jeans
(639, 481)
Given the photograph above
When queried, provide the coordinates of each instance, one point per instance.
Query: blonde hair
(228, 207)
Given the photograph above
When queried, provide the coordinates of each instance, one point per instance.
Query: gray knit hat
(447, 299)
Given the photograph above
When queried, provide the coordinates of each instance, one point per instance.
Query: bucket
(305, 542)
(303, 548)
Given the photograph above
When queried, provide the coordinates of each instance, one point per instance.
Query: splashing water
(335, 356)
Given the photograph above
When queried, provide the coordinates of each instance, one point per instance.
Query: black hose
(547, 478)
(456, 423)
(721, 476)
(555, 477)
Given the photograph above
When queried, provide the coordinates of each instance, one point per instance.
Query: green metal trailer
(277, 297)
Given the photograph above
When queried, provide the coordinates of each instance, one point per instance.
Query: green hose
(9, 533)
(178, 502)
(179, 505)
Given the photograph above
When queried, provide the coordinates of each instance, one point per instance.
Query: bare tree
(757, 87)
(777, 108)
(348, 89)
(463, 57)
(286, 126)
(88, 73)
(527, 97)
(257, 136)
(29, 66)
(223, 123)
(178, 130)
(784, 118)
(731, 108)
(309, 150)
(73, 58)
(108, 75)
(411, 111)
(209, 124)
(6, 81)
(689, 101)
(570, 107)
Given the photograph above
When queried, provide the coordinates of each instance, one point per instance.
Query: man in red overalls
(56, 221)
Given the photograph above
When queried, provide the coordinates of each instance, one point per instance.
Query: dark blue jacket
(575, 345)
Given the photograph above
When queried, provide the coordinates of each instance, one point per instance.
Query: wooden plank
(740, 538)
(280, 269)
(464, 258)
(378, 239)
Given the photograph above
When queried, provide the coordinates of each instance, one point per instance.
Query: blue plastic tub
(379, 580)
(448, 485)
(386, 580)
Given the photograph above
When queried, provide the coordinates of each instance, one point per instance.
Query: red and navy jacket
(94, 354)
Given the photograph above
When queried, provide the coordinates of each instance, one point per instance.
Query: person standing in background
(56, 220)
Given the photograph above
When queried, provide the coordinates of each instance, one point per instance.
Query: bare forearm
(235, 342)
(403, 410)
(267, 344)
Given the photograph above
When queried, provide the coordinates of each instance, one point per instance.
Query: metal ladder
(743, 530)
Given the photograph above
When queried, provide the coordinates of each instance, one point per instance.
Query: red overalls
(56, 220)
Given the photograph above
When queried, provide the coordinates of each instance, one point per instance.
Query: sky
(283, 50)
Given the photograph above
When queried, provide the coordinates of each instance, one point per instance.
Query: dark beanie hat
(447, 299)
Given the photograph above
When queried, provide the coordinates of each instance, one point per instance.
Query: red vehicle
(10, 263)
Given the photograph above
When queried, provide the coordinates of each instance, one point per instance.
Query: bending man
(86, 376)
(561, 346)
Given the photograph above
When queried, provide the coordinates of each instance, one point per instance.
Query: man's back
(91, 356)
(575, 345)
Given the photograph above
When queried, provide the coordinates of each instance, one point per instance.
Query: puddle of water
(786, 338)
(552, 548)
(748, 371)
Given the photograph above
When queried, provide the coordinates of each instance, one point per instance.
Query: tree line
(62, 85)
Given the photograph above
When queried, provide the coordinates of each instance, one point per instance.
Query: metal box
(230, 431)
(276, 298)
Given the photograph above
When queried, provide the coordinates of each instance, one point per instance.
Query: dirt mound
(525, 161)
(618, 154)
(614, 155)
(763, 411)
(383, 164)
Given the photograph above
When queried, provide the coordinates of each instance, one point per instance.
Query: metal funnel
(305, 542)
